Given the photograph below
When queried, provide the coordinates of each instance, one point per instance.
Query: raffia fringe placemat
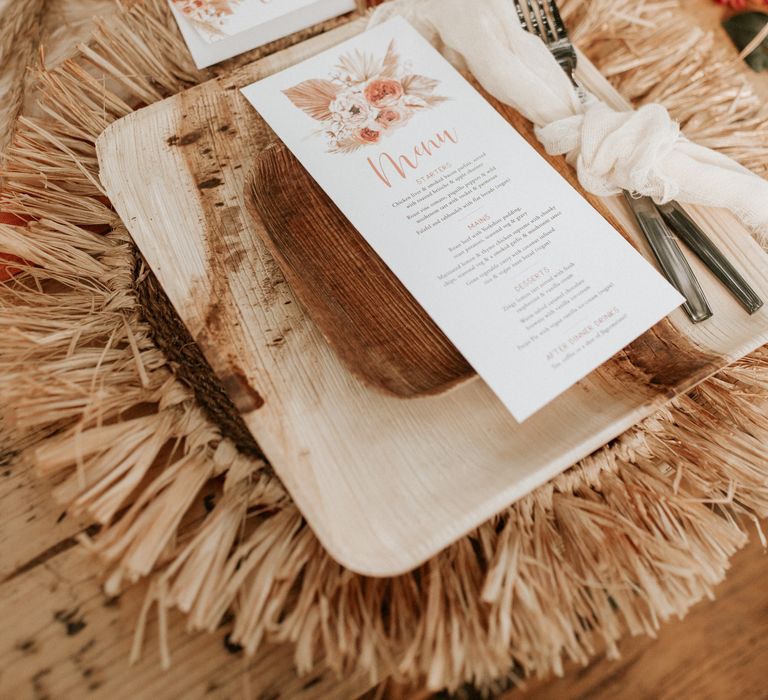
(634, 534)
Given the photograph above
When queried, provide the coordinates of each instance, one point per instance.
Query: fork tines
(542, 19)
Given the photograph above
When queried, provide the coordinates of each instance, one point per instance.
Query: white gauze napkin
(641, 151)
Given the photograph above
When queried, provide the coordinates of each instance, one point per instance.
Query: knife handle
(670, 257)
(701, 244)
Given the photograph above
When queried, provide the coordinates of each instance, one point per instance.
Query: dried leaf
(419, 85)
(360, 66)
(349, 145)
(390, 62)
(435, 100)
(314, 97)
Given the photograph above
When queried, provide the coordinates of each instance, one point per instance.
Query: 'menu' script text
(404, 163)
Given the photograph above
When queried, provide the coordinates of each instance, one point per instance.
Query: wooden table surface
(718, 652)
(61, 638)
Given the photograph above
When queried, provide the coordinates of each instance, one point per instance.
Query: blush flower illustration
(352, 109)
(365, 99)
(383, 93)
(368, 135)
(390, 118)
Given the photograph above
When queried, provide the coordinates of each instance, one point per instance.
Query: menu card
(529, 282)
(215, 30)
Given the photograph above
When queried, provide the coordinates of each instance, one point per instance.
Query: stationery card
(529, 282)
(215, 30)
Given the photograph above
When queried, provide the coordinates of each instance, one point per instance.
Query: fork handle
(701, 244)
(670, 257)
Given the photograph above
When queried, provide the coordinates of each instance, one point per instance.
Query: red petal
(12, 219)
(8, 271)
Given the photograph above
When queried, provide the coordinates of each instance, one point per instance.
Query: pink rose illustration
(390, 118)
(368, 135)
(384, 92)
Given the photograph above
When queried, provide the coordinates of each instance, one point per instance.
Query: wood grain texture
(28, 506)
(719, 652)
(368, 317)
(385, 483)
(62, 638)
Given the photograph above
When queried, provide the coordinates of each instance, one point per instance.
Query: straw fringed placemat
(103, 393)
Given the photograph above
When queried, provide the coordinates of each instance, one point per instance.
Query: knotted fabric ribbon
(639, 150)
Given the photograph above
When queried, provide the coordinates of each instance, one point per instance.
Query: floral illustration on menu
(365, 99)
(210, 13)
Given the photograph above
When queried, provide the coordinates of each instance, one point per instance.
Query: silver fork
(550, 28)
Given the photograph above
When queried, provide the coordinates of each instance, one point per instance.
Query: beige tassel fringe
(631, 536)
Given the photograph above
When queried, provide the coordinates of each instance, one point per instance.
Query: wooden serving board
(384, 482)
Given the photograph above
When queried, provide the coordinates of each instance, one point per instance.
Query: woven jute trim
(632, 535)
(189, 365)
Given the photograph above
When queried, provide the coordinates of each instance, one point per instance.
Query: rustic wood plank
(385, 483)
(62, 638)
(27, 506)
(719, 652)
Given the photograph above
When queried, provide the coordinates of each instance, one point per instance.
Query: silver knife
(701, 244)
(670, 257)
